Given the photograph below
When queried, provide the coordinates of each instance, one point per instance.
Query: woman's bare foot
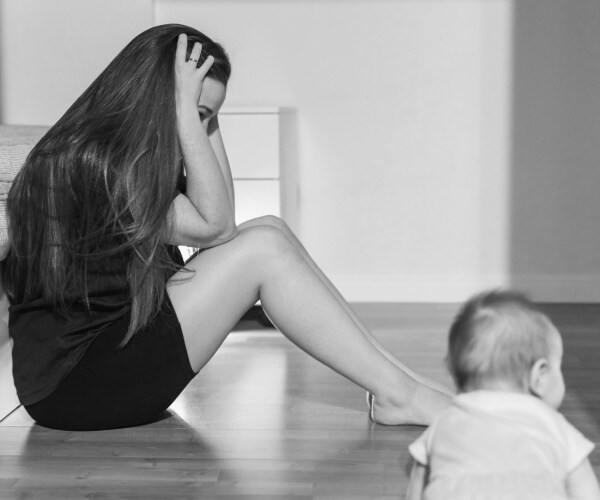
(420, 409)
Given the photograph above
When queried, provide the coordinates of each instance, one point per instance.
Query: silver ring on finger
(192, 59)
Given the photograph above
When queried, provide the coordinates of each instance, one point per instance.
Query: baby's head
(501, 341)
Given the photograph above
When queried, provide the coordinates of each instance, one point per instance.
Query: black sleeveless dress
(70, 372)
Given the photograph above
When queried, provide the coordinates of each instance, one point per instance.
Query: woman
(108, 326)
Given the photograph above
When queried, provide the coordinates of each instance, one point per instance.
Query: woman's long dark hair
(97, 187)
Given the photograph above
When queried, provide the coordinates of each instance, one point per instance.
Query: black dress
(70, 372)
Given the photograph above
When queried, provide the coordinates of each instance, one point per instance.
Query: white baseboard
(565, 288)
(412, 289)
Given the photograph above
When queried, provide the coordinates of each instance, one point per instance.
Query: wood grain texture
(263, 420)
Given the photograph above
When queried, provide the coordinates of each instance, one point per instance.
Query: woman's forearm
(206, 186)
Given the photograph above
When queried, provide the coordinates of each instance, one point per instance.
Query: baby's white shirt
(499, 445)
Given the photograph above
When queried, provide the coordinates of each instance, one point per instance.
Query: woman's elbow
(220, 233)
(228, 233)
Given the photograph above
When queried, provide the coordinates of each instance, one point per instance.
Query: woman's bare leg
(262, 263)
(284, 228)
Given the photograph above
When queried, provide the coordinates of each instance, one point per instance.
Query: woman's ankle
(398, 395)
(416, 404)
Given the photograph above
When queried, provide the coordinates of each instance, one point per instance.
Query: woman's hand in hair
(204, 216)
(188, 76)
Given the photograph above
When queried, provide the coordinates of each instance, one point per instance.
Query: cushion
(16, 141)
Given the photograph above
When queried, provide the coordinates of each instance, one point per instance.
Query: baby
(502, 437)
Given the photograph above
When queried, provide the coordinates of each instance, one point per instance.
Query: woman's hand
(188, 76)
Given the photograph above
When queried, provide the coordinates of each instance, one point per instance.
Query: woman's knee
(262, 235)
(267, 220)
(273, 220)
(266, 240)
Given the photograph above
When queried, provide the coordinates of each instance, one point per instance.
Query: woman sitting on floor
(108, 324)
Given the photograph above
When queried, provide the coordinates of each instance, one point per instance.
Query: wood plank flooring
(263, 420)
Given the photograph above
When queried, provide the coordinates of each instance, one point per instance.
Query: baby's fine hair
(497, 336)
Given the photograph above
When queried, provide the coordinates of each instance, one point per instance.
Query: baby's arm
(416, 483)
(582, 483)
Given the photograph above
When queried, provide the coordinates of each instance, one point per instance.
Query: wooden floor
(263, 420)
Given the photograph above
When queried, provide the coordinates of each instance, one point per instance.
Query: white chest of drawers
(252, 142)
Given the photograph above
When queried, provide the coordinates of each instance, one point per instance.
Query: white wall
(403, 111)
(51, 50)
(555, 185)
(419, 136)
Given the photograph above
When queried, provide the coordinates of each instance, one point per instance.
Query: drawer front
(252, 144)
(256, 198)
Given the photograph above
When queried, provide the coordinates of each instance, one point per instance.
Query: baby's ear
(537, 377)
